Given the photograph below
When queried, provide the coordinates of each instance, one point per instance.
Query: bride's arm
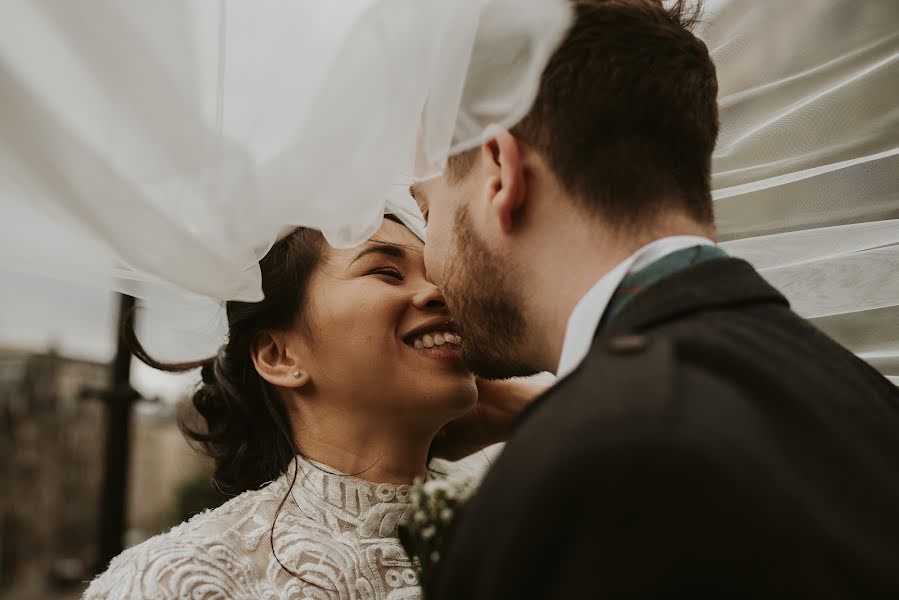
(490, 421)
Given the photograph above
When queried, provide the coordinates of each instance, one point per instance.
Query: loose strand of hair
(129, 336)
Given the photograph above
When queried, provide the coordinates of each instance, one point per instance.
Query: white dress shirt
(589, 310)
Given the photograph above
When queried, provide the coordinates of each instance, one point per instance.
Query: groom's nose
(429, 298)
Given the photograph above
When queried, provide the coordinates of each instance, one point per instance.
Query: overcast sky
(37, 313)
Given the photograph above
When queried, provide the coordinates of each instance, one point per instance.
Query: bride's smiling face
(380, 339)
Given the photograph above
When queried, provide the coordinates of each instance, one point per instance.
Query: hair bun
(207, 373)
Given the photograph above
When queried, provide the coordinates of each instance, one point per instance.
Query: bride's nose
(429, 298)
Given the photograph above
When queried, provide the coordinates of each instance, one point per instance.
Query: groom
(702, 438)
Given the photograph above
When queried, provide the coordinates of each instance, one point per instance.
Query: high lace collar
(327, 483)
(322, 493)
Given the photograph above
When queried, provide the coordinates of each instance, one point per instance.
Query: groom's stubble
(486, 305)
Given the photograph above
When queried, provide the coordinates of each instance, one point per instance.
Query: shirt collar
(588, 311)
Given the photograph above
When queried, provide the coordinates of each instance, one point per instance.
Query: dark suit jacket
(712, 444)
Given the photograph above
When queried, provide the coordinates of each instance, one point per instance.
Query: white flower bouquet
(425, 532)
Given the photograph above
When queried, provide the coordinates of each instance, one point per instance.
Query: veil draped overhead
(159, 148)
(169, 142)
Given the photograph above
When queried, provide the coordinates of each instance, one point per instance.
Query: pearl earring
(297, 374)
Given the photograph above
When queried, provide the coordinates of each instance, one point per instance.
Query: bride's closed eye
(388, 272)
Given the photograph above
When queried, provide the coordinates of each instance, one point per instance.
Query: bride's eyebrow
(381, 248)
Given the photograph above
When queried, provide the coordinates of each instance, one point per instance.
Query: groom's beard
(483, 304)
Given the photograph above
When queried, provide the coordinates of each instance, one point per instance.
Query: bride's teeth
(430, 340)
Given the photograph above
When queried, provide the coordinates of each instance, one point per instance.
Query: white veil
(169, 142)
(806, 171)
(159, 147)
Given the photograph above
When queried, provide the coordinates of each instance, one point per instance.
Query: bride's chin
(465, 400)
(453, 397)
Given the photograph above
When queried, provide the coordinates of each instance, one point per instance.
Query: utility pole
(119, 399)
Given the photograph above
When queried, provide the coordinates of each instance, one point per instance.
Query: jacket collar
(718, 283)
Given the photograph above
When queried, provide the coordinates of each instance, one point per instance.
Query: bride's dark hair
(245, 428)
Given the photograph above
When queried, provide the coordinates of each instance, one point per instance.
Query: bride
(318, 412)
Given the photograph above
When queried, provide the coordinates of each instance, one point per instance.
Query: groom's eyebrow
(381, 248)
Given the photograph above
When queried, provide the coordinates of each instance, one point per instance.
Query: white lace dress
(337, 533)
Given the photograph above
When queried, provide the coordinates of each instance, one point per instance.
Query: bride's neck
(364, 450)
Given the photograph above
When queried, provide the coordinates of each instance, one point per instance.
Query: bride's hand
(489, 422)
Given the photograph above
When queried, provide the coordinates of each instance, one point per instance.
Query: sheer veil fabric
(160, 148)
(169, 142)
(806, 171)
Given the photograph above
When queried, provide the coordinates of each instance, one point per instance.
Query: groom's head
(616, 150)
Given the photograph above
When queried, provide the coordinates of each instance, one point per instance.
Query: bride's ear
(276, 361)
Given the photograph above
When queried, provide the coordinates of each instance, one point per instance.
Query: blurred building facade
(51, 457)
(162, 462)
(51, 463)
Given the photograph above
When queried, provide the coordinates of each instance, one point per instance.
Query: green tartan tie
(636, 282)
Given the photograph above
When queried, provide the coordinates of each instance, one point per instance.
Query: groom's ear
(276, 361)
(505, 182)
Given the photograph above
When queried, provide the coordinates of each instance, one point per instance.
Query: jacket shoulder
(628, 376)
(637, 391)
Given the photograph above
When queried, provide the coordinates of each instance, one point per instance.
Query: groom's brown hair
(626, 114)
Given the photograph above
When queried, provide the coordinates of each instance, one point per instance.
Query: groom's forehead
(436, 192)
(428, 190)
(417, 193)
